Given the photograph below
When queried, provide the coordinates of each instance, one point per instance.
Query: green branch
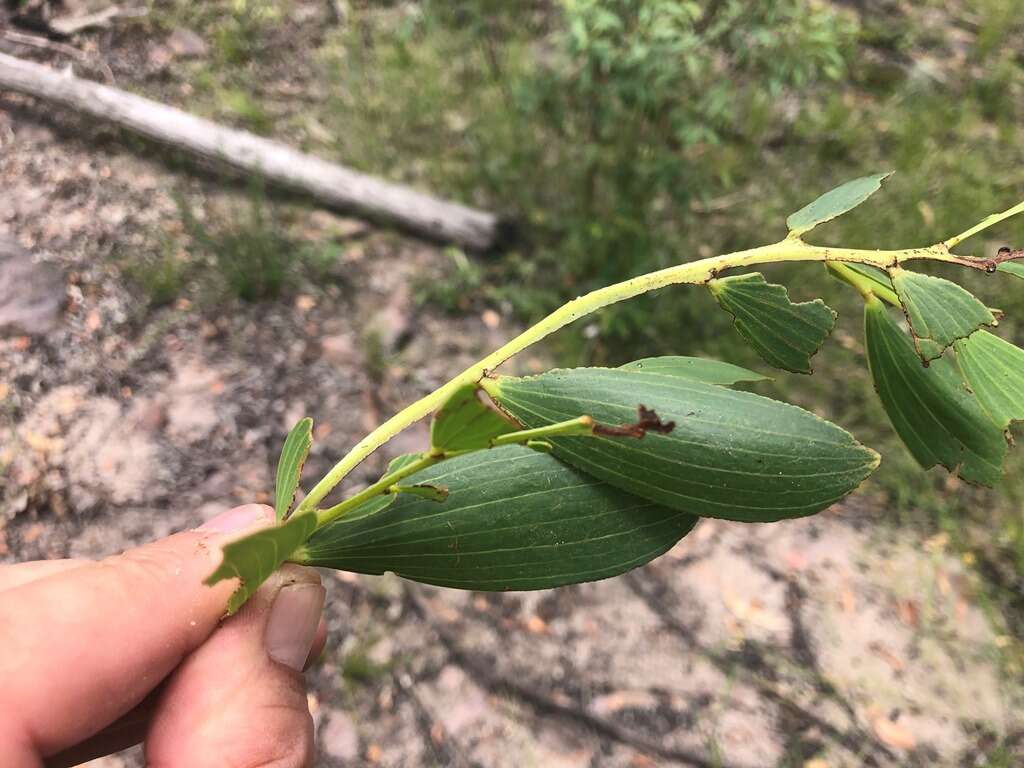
(694, 273)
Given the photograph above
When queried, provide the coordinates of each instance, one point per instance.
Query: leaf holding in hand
(466, 423)
(785, 334)
(733, 455)
(694, 368)
(931, 410)
(253, 558)
(289, 465)
(835, 203)
(938, 311)
(994, 369)
(1014, 268)
(514, 519)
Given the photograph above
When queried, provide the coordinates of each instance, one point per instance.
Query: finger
(127, 731)
(240, 699)
(130, 729)
(12, 576)
(82, 648)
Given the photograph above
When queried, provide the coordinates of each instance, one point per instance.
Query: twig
(36, 41)
(329, 183)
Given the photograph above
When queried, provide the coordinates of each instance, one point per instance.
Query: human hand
(97, 656)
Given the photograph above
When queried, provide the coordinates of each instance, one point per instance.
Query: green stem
(696, 272)
(324, 516)
(865, 286)
(584, 425)
(987, 222)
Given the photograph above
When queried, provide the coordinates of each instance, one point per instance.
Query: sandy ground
(810, 643)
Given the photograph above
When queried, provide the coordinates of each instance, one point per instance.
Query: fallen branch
(333, 185)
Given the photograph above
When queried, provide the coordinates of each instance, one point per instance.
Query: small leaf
(994, 369)
(938, 311)
(733, 455)
(694, 368)
(399, 462)
(785, 334)
(253, 558)
(464, 422)
(835, 203)
(435, 493)
(515, 519)
(1012, 268)
(289, 466)
(931, 410)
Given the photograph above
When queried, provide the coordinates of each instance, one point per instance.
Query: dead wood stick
(333, 185)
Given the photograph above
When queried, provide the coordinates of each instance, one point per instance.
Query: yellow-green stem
(696, 272)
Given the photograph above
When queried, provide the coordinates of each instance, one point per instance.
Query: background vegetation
(625, 135)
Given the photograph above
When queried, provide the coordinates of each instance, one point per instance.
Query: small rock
(31, 294)
(186, 43)
(338, 737)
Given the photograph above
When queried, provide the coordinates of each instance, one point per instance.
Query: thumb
(84, 646)
(240, 699)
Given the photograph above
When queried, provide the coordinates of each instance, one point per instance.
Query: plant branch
(984, 224)
(864, 286)
(695, 273)
(324, 516)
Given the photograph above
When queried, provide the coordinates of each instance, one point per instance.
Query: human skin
(98, 655)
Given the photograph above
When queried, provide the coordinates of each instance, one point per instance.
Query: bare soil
(809, 643)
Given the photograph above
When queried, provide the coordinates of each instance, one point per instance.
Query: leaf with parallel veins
(514, 519)
(733, 455)
(994, 369)
(931, 410)
(253, 558)
(939, 311)
(289, 466)
(785, 334)
(466, 423)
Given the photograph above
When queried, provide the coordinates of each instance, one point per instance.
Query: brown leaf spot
(647, 421)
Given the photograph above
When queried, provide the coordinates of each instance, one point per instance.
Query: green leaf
(938, 311)
(514, 519)
(464, 422)
(835, 203)
(289, 466)
(399, 462)
(732, 455)
(1012, 268)
(253, 558)
(785, 334)
(931, 410)
(695, 368)
(994, 369)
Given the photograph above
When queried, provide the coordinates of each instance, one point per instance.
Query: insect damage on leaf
(647, 421)
(785, 334)
(938, 311)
